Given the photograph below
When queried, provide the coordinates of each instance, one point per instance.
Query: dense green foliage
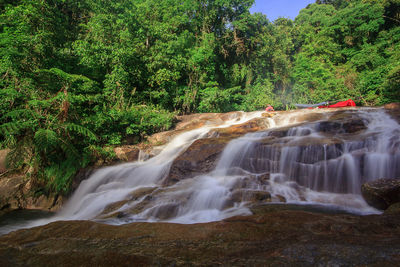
(80, 76)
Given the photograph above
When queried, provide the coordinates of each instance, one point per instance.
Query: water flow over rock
(305, 157)
(309, 163)
(309, 156)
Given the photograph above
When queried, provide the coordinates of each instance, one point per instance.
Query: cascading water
(323, 161)
(307, 165)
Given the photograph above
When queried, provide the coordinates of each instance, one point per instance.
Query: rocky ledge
(276, 235)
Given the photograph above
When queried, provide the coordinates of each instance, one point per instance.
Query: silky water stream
(320, 161)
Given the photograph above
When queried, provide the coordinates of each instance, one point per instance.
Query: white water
(327, 174)
(299, 172)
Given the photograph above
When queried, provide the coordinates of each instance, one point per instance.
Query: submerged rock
(381, 193)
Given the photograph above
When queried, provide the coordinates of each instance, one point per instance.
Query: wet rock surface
(381, 193)
(274, 236)
(201, 157)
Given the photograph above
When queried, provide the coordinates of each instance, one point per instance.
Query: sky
(280, 8)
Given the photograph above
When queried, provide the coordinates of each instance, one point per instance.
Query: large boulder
(201, 157)
(381, 193)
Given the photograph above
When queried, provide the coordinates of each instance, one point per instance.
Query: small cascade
(306, 157)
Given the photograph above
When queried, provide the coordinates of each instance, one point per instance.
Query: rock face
(381, 193)
(10, 192)
(275, 236)
(200, 157)
(15, 193)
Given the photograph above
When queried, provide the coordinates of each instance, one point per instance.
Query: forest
(80, 77)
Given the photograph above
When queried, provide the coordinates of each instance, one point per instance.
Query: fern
(9, 92)
(69, 150)
(18, 113)
(80, 130)
(45, 140)
(9, 128)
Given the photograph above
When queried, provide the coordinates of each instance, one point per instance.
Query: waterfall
(303, 165)
(322, 161)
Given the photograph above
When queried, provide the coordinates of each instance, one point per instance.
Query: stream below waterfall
(307, 157)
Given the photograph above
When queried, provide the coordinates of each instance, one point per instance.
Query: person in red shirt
(269, 108)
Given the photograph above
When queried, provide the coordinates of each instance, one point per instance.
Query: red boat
(341, 104)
